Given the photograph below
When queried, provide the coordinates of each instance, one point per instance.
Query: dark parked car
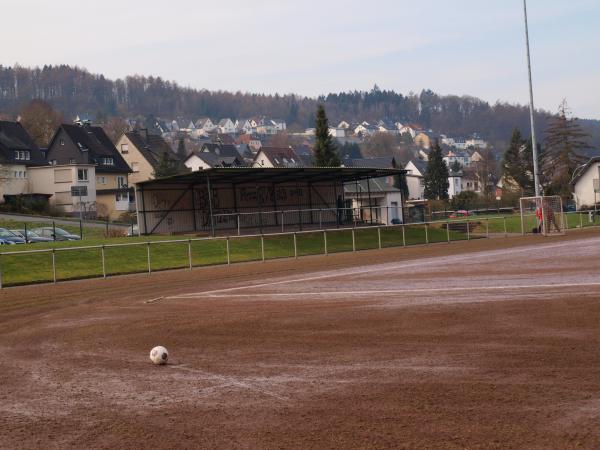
(61, 235)
(31, 236)
(10, 238)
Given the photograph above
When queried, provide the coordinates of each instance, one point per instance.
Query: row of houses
(204, 126)
(81, 172)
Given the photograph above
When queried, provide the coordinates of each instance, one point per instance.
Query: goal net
(542, 215)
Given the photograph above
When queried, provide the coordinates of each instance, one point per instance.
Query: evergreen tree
(561, 156)
(181, 150)
(325, 151)
(517, 163)
(456, 167)
(400, 182)
(166, 167)
(436, 176)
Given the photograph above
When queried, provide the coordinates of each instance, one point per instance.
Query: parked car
(460, 213)
(61, 235)
(10, 238)
(31, 236)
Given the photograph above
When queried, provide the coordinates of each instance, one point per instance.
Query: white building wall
(454, 186)
(584, 188)
(416, 190)
(194, 163)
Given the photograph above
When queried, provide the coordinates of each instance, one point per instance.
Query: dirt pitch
(481, 344)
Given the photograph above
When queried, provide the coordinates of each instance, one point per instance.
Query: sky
(313, 47)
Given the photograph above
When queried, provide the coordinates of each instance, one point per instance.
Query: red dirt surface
(482, 344)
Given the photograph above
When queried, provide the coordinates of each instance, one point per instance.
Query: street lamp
(536, 178)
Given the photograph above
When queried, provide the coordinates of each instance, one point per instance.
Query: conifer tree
(181, 150)
(166, 167)
(517, 163)
(325, 151)
(436, 176)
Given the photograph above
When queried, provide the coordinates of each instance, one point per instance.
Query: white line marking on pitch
(393, 291)
(385, 267)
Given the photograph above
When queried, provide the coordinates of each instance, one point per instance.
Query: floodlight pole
(536, 177)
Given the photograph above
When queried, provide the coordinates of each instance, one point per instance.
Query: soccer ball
(159, 355)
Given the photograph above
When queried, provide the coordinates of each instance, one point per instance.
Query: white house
(277, 157)
(199, 160)
(226, 126)
(71, 187)
(454, 183)
(244, 126)
(453, 156)
(337, 132)
(415, 179)
(205, 124)
(586, 184)
(279, 124)
(266, 126)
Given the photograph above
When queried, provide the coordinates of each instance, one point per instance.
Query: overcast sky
(310, 47)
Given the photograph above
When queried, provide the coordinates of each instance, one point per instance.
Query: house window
(422, 181)
(121, 182)
(79, 191)
(72, 161)
(124, 148)
(52, 162)
(22, 155)
(62, 142)
(122, 196)
(82, 175)
(107, 161)
(101, 180)
(135, 167)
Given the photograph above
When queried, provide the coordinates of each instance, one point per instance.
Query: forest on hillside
(75, 91)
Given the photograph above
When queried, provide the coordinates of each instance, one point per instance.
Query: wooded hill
(73, 91)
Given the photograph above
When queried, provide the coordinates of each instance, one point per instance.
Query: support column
(194, 209)
(210, 207)
(370, 204)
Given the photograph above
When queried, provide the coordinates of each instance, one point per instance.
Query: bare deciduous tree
(40, 121)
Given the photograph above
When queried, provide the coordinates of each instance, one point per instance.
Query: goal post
(542, 215)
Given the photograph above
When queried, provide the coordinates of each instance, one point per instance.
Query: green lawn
(87, 262)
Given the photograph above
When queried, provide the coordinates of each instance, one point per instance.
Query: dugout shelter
(220, 199)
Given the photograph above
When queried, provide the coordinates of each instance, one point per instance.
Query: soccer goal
(542, 215)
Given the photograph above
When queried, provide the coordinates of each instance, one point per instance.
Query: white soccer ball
(159, 355)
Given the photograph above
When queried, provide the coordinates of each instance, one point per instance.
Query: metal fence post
(353, 241)
(190, 253)
(468, 231)
(54, 266)
(379, 237)
(282, 229)
(238, 224)
(505, 230)
(295, 246)
(580, 220)
(26, 235)
(80, 228)
(148, 255)
(262, 247)
(228, 251)
(103, 262)
(54, 230)
(403, 237)
(448, 230)
(325, 241)
(487, 228)
(426, 233)
(320, 219)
